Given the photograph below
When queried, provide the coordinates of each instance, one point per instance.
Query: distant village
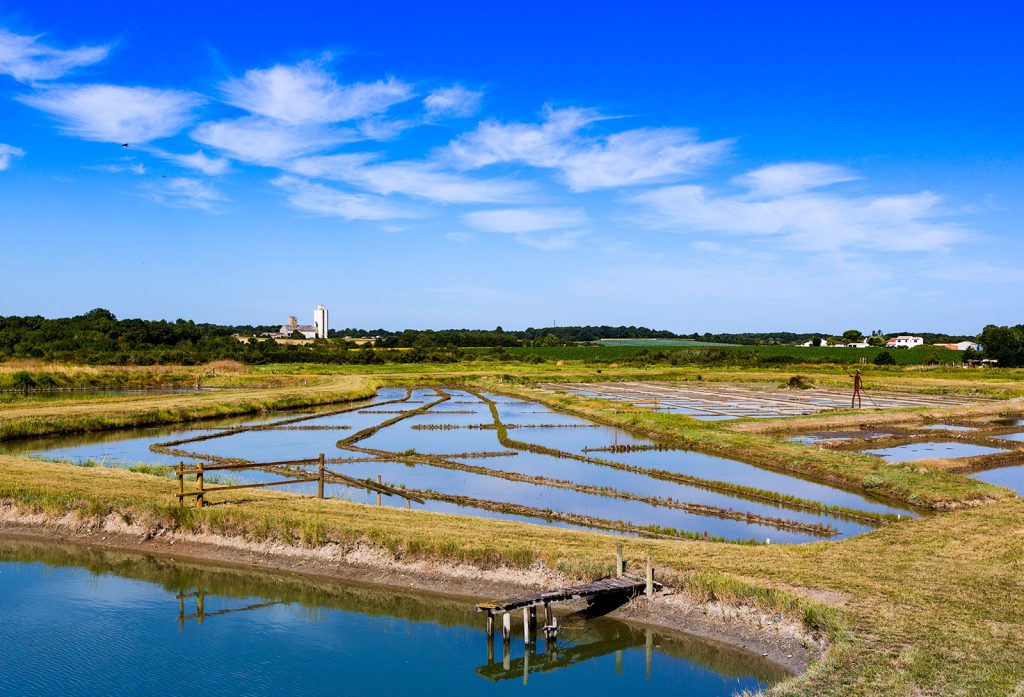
(893, 342)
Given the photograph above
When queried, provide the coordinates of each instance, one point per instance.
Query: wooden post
(650, 649)
(506, 628)
(408, 504)
(181, 483)
(378, 493)
(649, 590)
(531, 625)
(506, 655)
(199, 485)
(618, 559)
(526, 667)
(526, 626)
(320, 476)
(490, 626)
(547, 614)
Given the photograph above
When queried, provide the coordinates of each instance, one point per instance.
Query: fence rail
(322, 472)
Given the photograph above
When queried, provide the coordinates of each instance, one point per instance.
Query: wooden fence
(321, 475)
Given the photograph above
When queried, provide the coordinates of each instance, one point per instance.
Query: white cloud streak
(114, 114)
(533, 226)
(306, 94)
(185, 192)
(266, 142)
(793, 177)
(199, 161)
(26, 59)
(417, 179)
(626, 158)
(8, 153)
(783, 205)
(455, 102)
(323, 200)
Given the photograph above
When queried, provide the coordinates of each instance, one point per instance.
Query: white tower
(320, 321)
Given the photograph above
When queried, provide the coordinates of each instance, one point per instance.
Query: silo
(320, 321)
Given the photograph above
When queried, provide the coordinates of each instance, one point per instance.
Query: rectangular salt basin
(933, 450)
(947, 427)
(1012, 436)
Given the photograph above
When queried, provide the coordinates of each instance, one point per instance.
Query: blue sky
(726, 167)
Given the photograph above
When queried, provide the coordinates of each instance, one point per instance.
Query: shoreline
(784, 643)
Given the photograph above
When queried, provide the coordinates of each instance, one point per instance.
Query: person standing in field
(857, 385)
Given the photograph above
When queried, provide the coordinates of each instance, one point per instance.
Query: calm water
(1010, 477)
(88, 622)
(464, 414)
(924, 451)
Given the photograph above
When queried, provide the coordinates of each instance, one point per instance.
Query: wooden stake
(649, 590)
(378, 493)
(526, 626)
(506, 627)
(320, 476)
(199, 485)
(619, 567)
(181, 483)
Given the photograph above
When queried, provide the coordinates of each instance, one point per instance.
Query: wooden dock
(620, 585)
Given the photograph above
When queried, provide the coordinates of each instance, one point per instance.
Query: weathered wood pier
(620, 585)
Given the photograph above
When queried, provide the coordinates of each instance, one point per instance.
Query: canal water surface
(90, 622)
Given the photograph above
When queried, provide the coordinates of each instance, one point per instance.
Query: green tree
(1004, 344)
(852, 335)
(884, 358)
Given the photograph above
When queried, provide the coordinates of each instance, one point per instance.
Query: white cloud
(26, 59)
(793, 177)
(7, 155)
(265, 142)
(307, 94)
(418, 179)
(115, 114)
(525, 224)
(640, 156)
(136, 168)
(454, 101)
(809, 220)
(323, 200)
(199, 161)
(185, 192)
(519, 220)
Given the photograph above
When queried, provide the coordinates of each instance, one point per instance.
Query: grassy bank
(26, 420)
(923, 606)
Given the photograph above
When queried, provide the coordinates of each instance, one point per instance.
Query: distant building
(858, 344)
(317, 330)
(962, 346)
(904, 341)
(320, 321)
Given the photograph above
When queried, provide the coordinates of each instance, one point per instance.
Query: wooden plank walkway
(624, 584)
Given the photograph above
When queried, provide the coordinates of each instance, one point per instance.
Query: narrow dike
(738, 490)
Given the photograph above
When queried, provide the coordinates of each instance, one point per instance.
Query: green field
(726, 355)
(658, 343)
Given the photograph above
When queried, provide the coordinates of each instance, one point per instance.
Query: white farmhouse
(904, 341)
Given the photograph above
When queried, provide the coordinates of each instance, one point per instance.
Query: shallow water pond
(937, 449)
(87, 622)
(461, 429)
(1011, 477)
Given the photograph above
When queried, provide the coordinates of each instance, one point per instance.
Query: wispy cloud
(549, 229)
(114, 114)
(136, 168)
(323, 200)
(265, 142)
(26, 59)
(781, 204)
(307, 94)
(199, 161)
(455, 101)
(419, 179)
(626, 158)
(7, 155)
(185, 192)
(793, 177)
